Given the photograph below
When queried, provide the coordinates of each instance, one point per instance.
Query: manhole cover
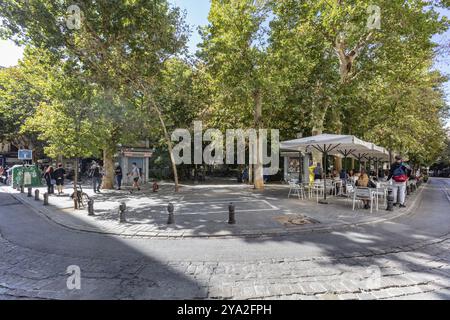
(295, 220)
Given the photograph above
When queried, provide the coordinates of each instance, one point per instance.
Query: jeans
(399, 192)
(96, 183)
(119, 181)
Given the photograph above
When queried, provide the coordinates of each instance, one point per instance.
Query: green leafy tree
(235, 54)
(22, 89)
(119, 45)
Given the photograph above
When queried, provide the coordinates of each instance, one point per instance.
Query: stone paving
(29, 274)
(417, 269)
(202, 211)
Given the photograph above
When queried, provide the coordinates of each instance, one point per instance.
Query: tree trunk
(108, 166)
(170, 147)
(318, 124)
(258, 167)
(337, 126)
(75, 183)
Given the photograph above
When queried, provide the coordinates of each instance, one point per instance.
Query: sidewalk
(202, 211)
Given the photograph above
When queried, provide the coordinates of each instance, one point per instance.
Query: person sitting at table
(334, 174)
(363, 182)
(344, 177)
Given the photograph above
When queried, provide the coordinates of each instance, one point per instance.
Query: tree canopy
(118, 71)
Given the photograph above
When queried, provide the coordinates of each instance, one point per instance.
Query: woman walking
(49, 179)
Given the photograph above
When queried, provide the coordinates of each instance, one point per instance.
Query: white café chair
(296, 189)
(365, 194)
(381, 192)
(349, 191)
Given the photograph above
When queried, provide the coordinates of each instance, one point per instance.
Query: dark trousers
(96, 183)
(119, 181)
(50, 188)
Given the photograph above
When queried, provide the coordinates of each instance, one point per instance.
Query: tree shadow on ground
(40, 252)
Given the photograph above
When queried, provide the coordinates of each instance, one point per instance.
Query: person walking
(49, 179)
(59, 175)
(245, 175)
(135, 175)
(119, 175)
(96, 175)
(399, 174)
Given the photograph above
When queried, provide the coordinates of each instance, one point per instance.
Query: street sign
(24, 154)
(138, 154)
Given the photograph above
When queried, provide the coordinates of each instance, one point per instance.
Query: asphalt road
(406, 258)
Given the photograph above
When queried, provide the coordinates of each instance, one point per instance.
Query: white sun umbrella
(377, 154)
(329, 144)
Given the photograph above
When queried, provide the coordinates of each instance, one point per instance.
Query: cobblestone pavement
(408, 258)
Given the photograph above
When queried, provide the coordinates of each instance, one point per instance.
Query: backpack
(399, 174)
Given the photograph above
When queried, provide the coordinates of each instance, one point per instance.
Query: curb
(45, 212)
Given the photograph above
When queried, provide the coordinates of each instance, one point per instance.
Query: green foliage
(316, 65)
(22, 89)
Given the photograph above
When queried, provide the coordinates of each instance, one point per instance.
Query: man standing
(119, 175)
(58, 175)
(399, 174)
(96, 175)
(318, 172)
(135, 175)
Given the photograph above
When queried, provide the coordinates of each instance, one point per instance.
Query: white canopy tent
(336, 145)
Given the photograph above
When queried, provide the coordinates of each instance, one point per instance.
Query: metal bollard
(122, 209)
(390, 200)
(231, 214)
(36, 195)
(22, 189)
(29, 192)
(91, 207)
(408, 189)
(171, 218)
(46, 199)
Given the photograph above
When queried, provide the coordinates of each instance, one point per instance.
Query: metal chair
(296, 189)
(365, 194)
(349, 191)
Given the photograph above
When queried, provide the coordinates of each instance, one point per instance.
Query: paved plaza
(356, 255)
(203, 211)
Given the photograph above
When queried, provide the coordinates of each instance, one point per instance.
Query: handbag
(52, 181)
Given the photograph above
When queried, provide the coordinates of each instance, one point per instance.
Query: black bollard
(22, 189)
(171, 217)
(29, 192)
(231, 214)
(408, 189)
(390, 200)
(36, 194)
(46, 199)
(122, 209)
(91, 207)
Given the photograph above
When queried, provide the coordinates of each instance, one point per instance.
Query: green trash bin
(29, 175)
